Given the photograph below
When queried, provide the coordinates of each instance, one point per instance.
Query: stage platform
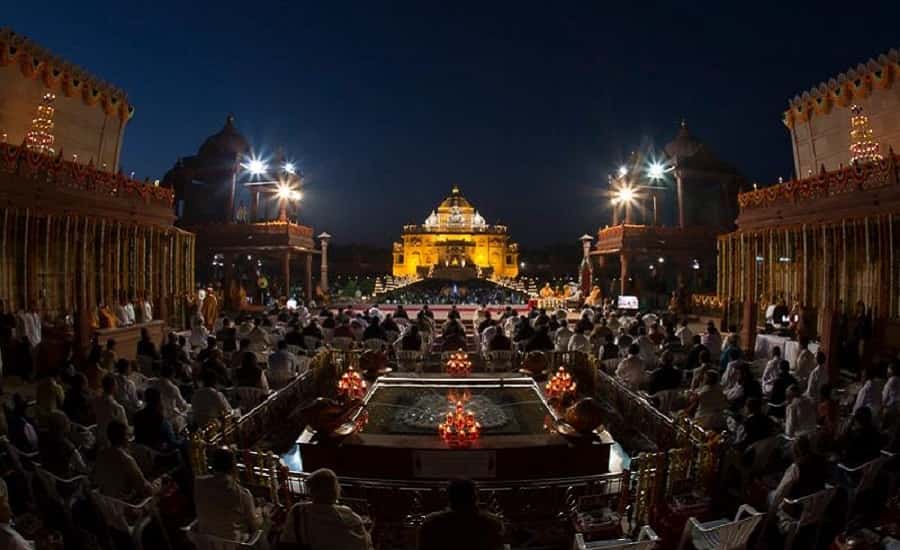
(399, 439)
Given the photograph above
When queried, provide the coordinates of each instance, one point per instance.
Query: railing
(857, 177)
(463, 229)
(64, 174)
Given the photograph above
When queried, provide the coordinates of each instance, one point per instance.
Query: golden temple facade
(455, 242)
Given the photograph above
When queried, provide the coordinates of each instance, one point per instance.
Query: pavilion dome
(226, 142)
(684, 145)
(454, 200)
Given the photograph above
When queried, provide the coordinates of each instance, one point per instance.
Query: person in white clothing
(890, 394)
(174, 405)
(28, 324)
(10, 539)
(579, 342)
(712, 340)
(208, 403)
(562, 336)
(647, 347)
(805, 362)
(107, 410)
(800, 413)
(818, 377)
(770, 373)
(685, 334)
(129, 312)
(870, 393)
(631, 370)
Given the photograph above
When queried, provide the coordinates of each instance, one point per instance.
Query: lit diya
(460, 428)
(459, 364)
(351, 385)
(560, 387)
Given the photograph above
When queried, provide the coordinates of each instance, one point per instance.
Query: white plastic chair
(722, 534)
(647, 540)
(376, 344)
(500, 361)
(249, 396)
(812, 512)
(51, 485)
(210, 542)
(343, 343)
(147, 457)
(868, 474)
(127, 518)
(410, 360)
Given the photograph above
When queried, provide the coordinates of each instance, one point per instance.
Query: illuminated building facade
(455, 242)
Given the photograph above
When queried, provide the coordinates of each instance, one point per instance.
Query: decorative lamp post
(323, 243)
(586, 272)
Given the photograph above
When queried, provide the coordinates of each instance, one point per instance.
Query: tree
(40, 137)
(863, 148)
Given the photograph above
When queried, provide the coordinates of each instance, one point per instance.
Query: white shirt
(29, 324)
(121, 316)
(648, 350)
(579, 342)
(800, 417)
(173, 403)
(805, 364)
(770, 374)
(817, 378)
(562, 338)
(129, 313)
(107, 409)
(730, 378)
(199, 334)
(282, 364)
(869, 396)
(148, 312)
(208, 404)
(712, 342)
(631, 371)
(889, 398)
(686, 335)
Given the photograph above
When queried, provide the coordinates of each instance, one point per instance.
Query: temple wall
(825, 138)
(82, 129)
(428, 249)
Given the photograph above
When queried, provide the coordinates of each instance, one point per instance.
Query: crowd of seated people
(432, 291)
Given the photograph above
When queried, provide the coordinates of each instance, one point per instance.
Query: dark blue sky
(526, 106)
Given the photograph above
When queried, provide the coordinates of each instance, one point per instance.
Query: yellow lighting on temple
(455, 239)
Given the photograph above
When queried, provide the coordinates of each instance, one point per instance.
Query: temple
(455, 242)
(79, 239)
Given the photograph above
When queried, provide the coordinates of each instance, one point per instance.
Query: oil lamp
(351, 385)
(560, 386)
(459, 364)
(460, 428)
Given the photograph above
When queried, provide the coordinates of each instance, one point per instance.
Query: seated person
(705, 364)
(631, 369)
(312, 330)
(800, 413)
(562, 335)
(412, 340)
(211, 344)
(116, 474)
(734, 361)
(870, 394)
(782, 382)
(666, 376)
(227, 335)
(216, 363)
(806, 475)
(208, 403)
(20, 430)
(694, 351)
(151, 428)
(374, 330)
(225, 509)
(250, 375)
(818, 377)
(259, 337)
(77, 404)
(500, 342)
(746, 388)
(755, 426)
(579, 342)
(282, 363)
(322, 523)
(294, 337)
(609, 349)
(708, 403)
(126, 391)
(174, 404)
(10, 539)
(58, 455)
(146, 347)
(861, 441)
(50, 395)
(771, 372)
(107, 410)
(462, 525)
(541, 340)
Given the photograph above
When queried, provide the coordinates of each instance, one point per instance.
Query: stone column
(309, 289)
(679, 190)
(323, 240)
(286, 266)
(623, 274)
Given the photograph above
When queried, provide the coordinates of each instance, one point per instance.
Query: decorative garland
(83, 177)
(60, 76)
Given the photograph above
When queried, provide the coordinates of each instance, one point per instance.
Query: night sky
(527, 107)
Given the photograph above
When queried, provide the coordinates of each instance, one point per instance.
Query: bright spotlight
(623, 170)
(255, 166)
(296, 195)
(284, 192)
(290, 168)
(624, 195)
(656, 170)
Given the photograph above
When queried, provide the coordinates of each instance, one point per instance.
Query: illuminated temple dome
(455, 242)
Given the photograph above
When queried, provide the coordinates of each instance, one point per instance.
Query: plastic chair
(501, 360)
(375, 344)
(343, 343)
(127, 518)
(410, 360)
(722, 534)
(210, 542)
(812, 512)
(51, 485)
(868, 474)
(647, 540)
(147, 458)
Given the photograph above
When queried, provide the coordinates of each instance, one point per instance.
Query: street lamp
(255, 166)
(290, 168)
(285, 194)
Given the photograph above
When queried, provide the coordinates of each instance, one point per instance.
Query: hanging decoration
(40, 137)
(863, 147)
